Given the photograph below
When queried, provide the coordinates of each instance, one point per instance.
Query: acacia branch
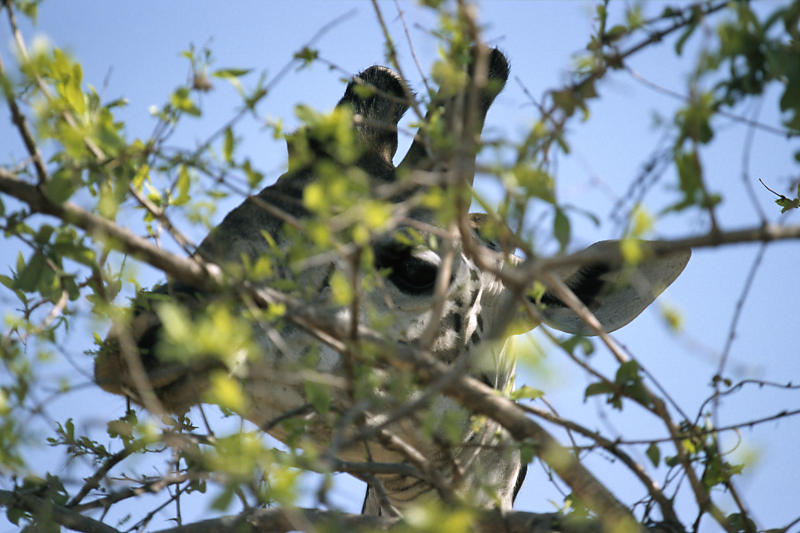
(283, 520)
(93, 481)
(534, 267)
(482, 399)
(278, 520)
(46, 509)
(149, 486)
(17, 117)
(116, 236)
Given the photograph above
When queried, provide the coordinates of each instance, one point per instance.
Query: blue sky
(135, 48)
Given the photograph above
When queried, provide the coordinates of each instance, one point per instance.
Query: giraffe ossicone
(397, 273)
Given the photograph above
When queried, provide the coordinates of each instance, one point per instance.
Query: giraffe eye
(408, 273)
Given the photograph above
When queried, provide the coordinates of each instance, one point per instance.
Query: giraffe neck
(488, 474)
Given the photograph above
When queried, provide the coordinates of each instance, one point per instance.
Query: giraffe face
(400, 308)
(377, 98)
(461, 323)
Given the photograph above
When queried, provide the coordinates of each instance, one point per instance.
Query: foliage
(79, 151)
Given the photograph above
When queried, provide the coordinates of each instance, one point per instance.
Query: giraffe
(476, 458)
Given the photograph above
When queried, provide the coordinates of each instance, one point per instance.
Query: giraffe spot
(456, 320)
(475, 338)
(473, 297)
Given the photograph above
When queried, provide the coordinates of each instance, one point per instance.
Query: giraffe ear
(454, 107)
(615, 292)
(378, 97)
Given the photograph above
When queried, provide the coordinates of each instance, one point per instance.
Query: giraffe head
(415, 279)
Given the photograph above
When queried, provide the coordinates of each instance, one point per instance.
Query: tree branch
(533, 267)
(122, 239)
(282, 520)
(17, 117)
(61, 515)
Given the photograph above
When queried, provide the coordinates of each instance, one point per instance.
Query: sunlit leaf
(227, 148)
(28, 278)
(183, 184)
(561, 228)
(654, 454)
(526, 392)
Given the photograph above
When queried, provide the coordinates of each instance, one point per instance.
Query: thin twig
(753, 124)
(93, 481)
(395, 61)
(737, 313)
(19, 120)
(667, 510)
(420, 70)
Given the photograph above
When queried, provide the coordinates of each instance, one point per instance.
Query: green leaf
(526, 392)
(61, 186)
(564, 99)
(628, 372)
(13, 514)
(58, 493)
(184, 182)
(601, 387)
(527, 453)
(615, 33)
(181, 100)
(254, 177)
(634, 17)
(536, 181)
(29, 8)
(232, 75)
(227, 148)
(28, 278)
(788, 204)
(73, 93)
(68, 283)
(561, 228)
(223, 500)
(231, 72)
(695, 119)
(742, 523)
(307, 56)
(43, 234)
(601, 11)
(318, 396)
(653, 453)
(690, 174)
(685, 36)
(577, 341)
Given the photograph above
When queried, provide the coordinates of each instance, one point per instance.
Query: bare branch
(16, 114)
(60, 515)
(281, 520)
